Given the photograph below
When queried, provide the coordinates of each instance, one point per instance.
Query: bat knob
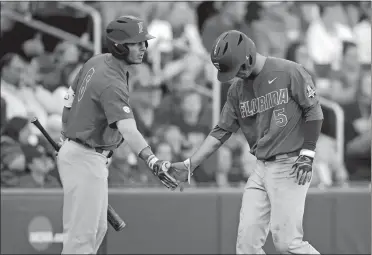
(33, 119)
(121, 226)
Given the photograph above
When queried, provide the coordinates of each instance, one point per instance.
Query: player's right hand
(160, 169)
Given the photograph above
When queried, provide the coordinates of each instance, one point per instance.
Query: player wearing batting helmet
(274, 103)
(97, 118)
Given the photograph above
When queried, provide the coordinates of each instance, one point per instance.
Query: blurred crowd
(171, 92)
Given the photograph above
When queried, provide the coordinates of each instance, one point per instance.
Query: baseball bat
(112, 217)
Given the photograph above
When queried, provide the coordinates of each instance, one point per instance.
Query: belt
(105, 153)
(283, 156)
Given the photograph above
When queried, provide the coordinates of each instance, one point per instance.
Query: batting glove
(303, 169)
(160, 168)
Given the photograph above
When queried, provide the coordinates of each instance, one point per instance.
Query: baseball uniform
(101, 99)
(270, 108)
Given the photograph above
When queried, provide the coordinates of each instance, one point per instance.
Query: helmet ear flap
(123, 49)
(119, 51)
(250, 60)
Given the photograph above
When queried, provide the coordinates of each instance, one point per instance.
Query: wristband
(308, 153)
(151, 161)
(187, 163)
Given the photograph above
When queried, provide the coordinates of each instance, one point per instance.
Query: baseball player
(97, 117)
(275, 105)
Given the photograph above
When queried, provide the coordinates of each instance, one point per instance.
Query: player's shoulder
(95, 59)
(101, 75)
(286, 67)
(283, 65)
(93, 64)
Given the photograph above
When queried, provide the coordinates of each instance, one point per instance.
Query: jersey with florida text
(269, 108)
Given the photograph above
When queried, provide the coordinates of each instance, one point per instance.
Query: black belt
(283, 156)
(98, 150)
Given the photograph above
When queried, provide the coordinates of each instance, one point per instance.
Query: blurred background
(175, 95)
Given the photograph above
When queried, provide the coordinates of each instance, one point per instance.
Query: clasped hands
(170, 174)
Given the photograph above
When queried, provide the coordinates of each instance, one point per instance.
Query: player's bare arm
(135, 140)
(182, 171)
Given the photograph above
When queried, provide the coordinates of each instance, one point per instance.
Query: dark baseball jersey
(101, 99)
(269, 108)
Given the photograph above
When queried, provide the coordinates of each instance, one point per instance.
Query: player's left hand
(181, 171)
(303, 169)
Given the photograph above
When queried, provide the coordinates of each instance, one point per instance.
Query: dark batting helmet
(231, 50)
(125, 29)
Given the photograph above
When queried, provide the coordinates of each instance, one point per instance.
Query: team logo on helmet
(140, 27)
(217, 66)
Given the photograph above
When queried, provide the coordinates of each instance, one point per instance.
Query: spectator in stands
(358, 149)
(39, 167)
(13, 160)
(362, 33)
(344, 83)
(230, 16)
(185, 31)
(271, 32)
(50, 91)
(298, 52)
(307, 12)
(18, 88)
(325, 36)
(11, 65)
(170, 106)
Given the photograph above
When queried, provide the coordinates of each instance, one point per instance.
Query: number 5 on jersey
(280, 117)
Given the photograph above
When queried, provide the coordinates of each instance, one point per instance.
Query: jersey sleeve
(115, 103)
(229, 119)
(303, 88)
(304, 93)
(76, 80)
